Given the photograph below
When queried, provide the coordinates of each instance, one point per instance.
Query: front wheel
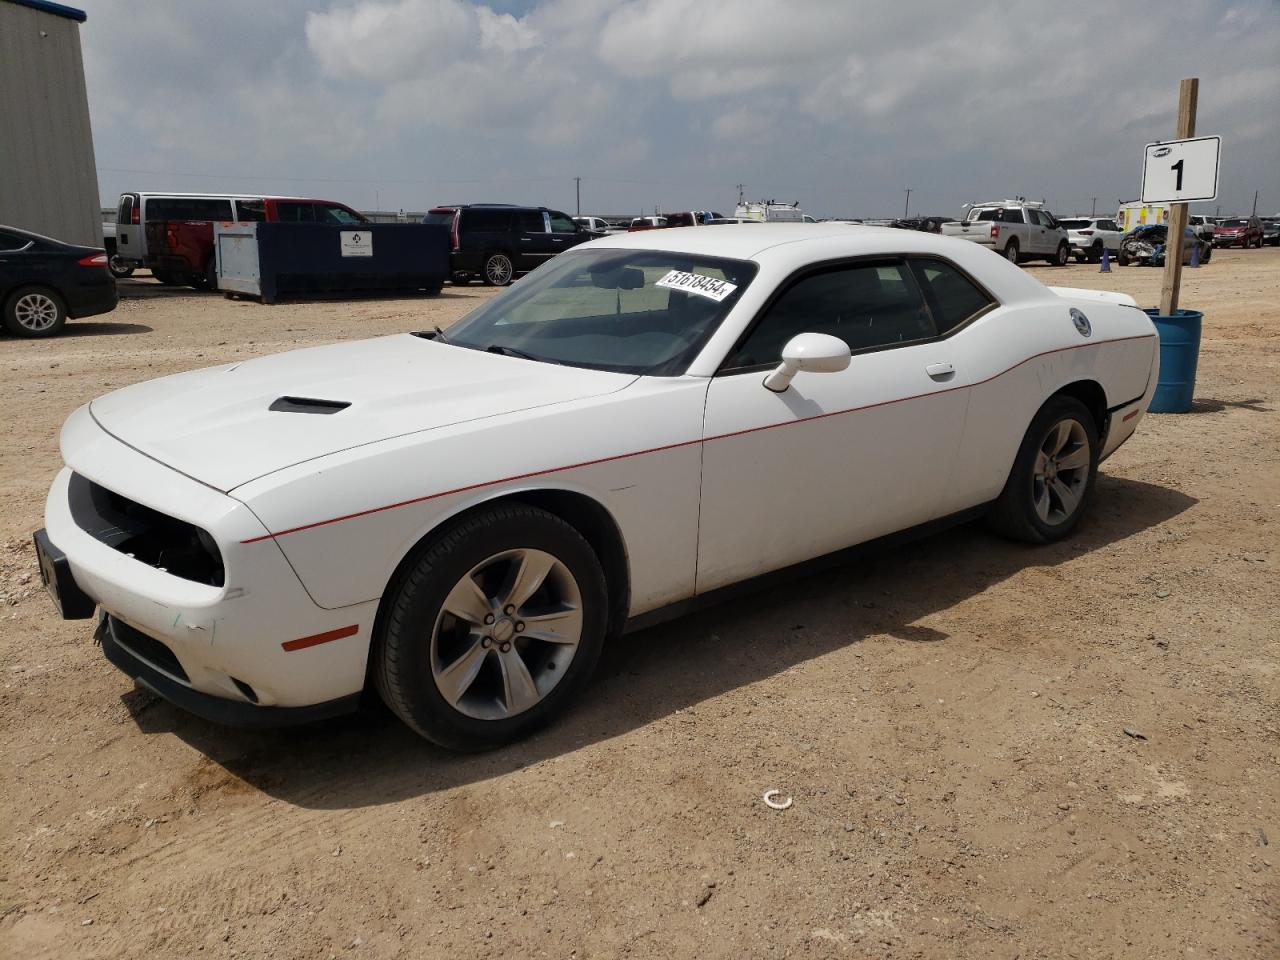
(1062, 256)
(493, 629)
(34, 312)
(498, 270)
(1049, 487)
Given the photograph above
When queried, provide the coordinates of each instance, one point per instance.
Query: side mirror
(811, 352)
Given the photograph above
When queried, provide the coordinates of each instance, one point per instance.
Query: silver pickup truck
(1016, 229)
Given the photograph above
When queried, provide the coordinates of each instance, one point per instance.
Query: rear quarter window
(952, 297)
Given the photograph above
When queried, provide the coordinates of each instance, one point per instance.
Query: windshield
(1235, 223)
(629, 311)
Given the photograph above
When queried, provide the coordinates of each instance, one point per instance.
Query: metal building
(48, 180)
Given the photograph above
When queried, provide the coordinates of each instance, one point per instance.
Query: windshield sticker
(708, 287)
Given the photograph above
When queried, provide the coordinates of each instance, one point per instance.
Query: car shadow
(371, 758)
(1217, 406)
(94, 328)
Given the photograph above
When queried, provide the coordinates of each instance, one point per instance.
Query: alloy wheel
(498, 270)
(1061, 472)
(506, 634)
(35, 312)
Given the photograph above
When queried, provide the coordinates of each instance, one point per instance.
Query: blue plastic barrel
(1179, 351)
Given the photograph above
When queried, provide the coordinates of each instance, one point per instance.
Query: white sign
(357, 243)
(708, 287)
(1179, 171)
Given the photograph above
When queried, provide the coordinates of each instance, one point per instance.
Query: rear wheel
(165, 277)
(1049, 487)
(1011, 251)
(34, 312)
(119, 268)
(1095, 253)
(492, 629)
(498, 269)
(1062, 255)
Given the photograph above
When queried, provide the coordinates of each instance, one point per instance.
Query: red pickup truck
(179, 249)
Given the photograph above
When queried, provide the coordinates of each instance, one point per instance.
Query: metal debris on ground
(1135, 733)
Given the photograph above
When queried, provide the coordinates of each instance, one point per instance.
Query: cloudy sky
(838, 104)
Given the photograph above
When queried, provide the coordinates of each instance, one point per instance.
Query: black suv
(493, 242)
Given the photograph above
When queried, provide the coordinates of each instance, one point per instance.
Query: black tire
(459, 278)
(1122, 258)
(1062, 255)
(34, 312)
(118, 268)
(499, 269)
(165, 277)
(401, 660)
(1095, 253)
(1208, 252)
(209, 281)
(1011, 251)
(1015, 514)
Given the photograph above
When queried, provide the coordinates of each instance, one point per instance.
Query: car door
(130, 238)
(836, 458)
(532, 239)
(563, 232)
(1037, 233)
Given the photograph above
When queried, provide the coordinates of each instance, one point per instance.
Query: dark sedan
(44, 281)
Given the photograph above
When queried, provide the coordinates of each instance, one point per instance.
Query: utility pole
(1188, 94)
(1093, 208)
(577, 192)
(906, 206)
(1255, 203)
(742, 194)
(1217, 212)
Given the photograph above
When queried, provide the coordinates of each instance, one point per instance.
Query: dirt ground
(949, 719)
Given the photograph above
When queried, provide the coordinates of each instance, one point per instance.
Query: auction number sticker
(708, 287)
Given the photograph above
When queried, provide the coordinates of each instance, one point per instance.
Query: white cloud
(836, 103)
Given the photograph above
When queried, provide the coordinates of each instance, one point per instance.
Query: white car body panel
(709, 478)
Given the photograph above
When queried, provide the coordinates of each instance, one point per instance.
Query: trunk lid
(217, 425)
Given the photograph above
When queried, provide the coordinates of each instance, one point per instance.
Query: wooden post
(1188, 92)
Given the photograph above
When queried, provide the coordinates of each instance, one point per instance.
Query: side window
(292, 211)
(484, 221)
(866, 306)
(332, 213)
(1011, 215)
(11, 241)
(530, 221)
(187, 208)
(1034, 217)
(562, 224)
(952, 297)
(251, 210)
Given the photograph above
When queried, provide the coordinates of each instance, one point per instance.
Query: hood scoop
(308, 405)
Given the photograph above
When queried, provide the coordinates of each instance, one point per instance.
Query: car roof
(791, 246)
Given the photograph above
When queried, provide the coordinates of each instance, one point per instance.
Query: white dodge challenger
(460, 518)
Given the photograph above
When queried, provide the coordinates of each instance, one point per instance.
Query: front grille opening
(148, 648)
(154, 538)
(249, 693)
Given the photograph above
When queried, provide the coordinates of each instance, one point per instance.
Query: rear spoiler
(1097, 296)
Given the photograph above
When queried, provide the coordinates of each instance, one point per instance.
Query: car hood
(217, 425)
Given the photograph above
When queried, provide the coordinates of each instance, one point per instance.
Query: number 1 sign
(1178, 171)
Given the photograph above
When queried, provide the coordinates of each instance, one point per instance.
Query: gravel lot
(948, 717)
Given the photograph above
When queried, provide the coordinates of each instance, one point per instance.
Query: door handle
(940, 371)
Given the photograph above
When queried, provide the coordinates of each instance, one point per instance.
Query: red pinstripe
(675, 446)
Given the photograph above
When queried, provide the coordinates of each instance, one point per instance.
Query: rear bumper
(232, 713)
(91, 298)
